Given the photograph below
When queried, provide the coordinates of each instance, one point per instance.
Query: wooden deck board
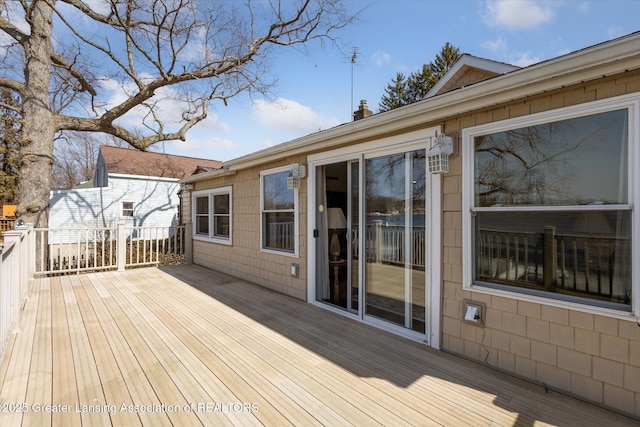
(138, 387)
(430, 406)
(215, 355)
(204, 343)
(64, 376)
(151, 368)
(281, 362)
(179, 364)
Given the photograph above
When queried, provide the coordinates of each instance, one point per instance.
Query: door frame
(433, 286)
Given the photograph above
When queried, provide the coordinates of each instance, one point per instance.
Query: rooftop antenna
(354, 56)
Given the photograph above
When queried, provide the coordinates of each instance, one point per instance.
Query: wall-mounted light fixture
(438, 154)
(296, 172)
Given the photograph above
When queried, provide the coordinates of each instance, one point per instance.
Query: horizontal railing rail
(74, 250)
(388, 244)
(78, 250)
(155, 246)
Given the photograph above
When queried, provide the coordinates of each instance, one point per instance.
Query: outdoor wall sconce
(296, 172)
(438, 154)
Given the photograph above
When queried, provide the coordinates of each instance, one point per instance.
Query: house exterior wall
(185, 206)
(591, 356)
(244, 258)
(156, 204)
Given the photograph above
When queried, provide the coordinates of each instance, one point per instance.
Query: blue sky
(314, 87)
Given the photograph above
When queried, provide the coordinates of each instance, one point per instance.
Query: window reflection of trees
(580, 252)
(276, 194)
(385, 182)
(548, 163)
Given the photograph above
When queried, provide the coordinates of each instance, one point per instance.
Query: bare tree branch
(129, 59)
(11, 84)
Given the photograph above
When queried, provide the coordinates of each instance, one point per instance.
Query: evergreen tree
(396, 94)
(444, 61)
(9, 147)
(414, 88)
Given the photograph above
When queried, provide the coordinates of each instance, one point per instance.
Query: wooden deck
(187, 346)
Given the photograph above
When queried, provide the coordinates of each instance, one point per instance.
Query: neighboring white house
(139, 188)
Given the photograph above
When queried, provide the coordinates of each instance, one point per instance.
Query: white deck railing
(68, 250)
(387, 244)
(29, 252)
(16, 270)
(583, 265)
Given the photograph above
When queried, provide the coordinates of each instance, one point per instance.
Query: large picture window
(212, 215)
(278, 212)
(550, 209)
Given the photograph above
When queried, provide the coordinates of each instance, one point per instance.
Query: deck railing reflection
(592, 266)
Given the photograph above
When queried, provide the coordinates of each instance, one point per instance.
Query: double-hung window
(212, 216)
(279, 206)
(127, 209)
(549, 204)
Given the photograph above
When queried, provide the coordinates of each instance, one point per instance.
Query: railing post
(27, 259)
(378, 234)
(188, 242)
(14, 238)
(121, 246)
(549, 257)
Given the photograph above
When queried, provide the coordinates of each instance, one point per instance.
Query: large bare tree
(63, 58)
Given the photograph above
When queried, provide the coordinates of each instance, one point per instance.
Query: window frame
(263, 211)
(122, 209)
(629, 102)
(211, 215)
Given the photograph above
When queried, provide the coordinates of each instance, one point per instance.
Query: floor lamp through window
(336, 221)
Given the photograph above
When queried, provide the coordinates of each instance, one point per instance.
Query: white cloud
(14, 13)
(380, 58)
(496, 45)
(285, 114)
(615, 32)
(525, 59)
(169, 107)
(517, 14)
(584, 7)
(205, 146)
(100, 6)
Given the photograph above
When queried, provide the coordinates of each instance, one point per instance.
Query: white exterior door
(380, 263)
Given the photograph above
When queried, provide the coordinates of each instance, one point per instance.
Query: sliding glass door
(370, 237)
(395, 244)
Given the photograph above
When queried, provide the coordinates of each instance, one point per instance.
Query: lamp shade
(336, 219)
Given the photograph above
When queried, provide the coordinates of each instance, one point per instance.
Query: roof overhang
(609, 58)
(470, 62)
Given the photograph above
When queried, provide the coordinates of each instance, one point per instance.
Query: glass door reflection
(395, 196)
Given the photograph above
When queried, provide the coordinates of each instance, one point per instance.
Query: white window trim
(133, 210)
(296, 214)
(210, 193)
(411, 141)
(632, 103)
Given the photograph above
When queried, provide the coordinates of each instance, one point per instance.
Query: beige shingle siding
(244, 259)
(591, 356)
